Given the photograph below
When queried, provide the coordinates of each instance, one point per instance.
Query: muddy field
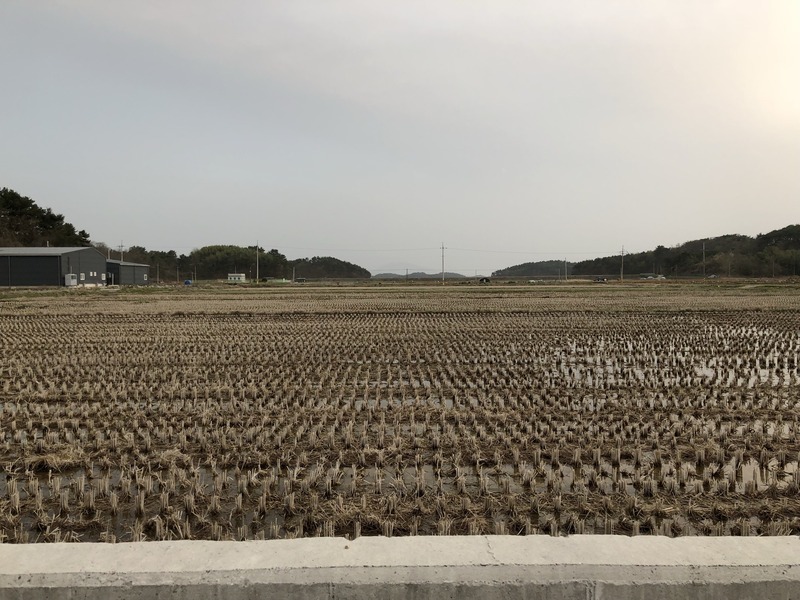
(243, 413)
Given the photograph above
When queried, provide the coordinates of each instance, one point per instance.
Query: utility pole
(622, 265)
(257, 278)
(442, 263)
(120, 252)
(704, 260)
(565, 269)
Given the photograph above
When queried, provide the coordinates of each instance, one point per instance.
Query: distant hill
(327, 267)
(24, 223)
(215, 262)
(544, 268)
(775, 253)
(419, 275)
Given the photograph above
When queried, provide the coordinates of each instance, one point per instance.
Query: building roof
(125, 263)
(45, 251)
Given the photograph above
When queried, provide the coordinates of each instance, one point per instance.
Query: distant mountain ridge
(776, 253)
(419, 275)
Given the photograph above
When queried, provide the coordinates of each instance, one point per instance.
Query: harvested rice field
(259, 413)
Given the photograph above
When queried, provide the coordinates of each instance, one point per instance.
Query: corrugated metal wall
(88, 264)
(29, 270)
(141, 275)
(128, 274)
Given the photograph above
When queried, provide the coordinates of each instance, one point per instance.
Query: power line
(427, 249)
(555, 252)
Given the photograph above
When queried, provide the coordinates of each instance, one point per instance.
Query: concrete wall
(583, 567)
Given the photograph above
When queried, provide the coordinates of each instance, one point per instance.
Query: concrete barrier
(413, 567)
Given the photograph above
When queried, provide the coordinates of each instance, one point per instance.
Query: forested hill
(215, 262)
(775, 253)
(542, 268)
(24, 223)
(327, 267)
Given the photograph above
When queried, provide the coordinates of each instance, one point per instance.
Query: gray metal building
(52, 266)
(127, 273)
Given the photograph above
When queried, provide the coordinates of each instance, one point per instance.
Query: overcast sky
(375, 131)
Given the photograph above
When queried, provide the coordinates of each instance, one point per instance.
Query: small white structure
(236, 278)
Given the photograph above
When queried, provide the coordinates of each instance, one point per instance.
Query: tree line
(773, 254)
(216, 262)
